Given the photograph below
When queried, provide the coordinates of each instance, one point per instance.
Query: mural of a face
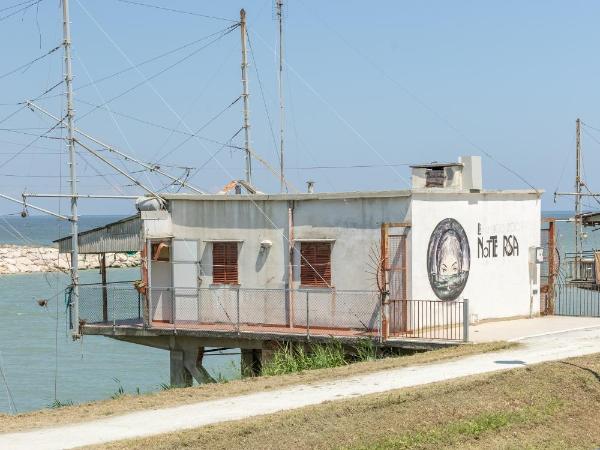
(448, 259)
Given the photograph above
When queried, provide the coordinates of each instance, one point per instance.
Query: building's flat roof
(436, 165)
(348, 195)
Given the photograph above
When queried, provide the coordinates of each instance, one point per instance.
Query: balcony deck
(223, 316)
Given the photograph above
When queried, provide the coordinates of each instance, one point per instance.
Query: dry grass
(551, 405)
(172, 397)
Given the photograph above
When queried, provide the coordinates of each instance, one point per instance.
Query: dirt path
(145, 423)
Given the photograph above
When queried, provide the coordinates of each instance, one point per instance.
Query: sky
(378, 85)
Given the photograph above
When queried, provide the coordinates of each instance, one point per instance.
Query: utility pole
(279, 4)
(578, 219)
(72, 171)
(245, 96)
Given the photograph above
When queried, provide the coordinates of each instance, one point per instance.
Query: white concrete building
(445, 239)
(404, 268)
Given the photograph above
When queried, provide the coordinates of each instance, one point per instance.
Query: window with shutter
(315, 264)
(225, 262)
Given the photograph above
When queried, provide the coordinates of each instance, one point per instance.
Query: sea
(40, 363)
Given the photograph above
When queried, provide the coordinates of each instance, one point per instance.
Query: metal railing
(429, 319)
(581, 267)
(309, 312)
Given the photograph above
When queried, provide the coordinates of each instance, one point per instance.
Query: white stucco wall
(500, 286)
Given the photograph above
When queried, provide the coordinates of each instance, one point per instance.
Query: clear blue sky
(367, 83)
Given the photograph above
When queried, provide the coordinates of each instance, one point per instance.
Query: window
(315, 264)
(161, 251)
(225, 262)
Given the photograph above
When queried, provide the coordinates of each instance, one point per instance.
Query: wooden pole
(104, 287)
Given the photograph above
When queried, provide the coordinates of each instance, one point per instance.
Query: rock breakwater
(29, 259)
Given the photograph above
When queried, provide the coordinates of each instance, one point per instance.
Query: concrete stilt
(193, 363)
(180, 376)
(251, 362)
(186, 365)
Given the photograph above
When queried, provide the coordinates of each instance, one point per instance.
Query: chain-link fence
(263, 310)
(278, 311)
(113, 303)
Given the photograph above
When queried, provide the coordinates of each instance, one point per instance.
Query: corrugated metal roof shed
(124, 235)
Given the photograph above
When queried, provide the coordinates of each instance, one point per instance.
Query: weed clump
(291, 358)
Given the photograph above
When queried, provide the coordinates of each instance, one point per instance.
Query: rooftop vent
(464, 174)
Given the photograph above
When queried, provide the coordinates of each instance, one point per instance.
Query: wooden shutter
(315, 264)
(225, 262)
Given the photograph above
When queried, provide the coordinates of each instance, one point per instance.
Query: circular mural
(448, 259)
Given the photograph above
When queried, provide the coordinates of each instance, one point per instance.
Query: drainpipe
(290, 269)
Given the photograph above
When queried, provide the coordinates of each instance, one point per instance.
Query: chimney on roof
(462, 175)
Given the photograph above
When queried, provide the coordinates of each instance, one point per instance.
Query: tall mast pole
(578, 221)
(72, 170)
(245, 96)
(281, 105)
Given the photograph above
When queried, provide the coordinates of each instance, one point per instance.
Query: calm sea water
(42, 230)
(36, 349)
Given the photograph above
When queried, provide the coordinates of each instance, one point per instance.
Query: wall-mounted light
(265, 245)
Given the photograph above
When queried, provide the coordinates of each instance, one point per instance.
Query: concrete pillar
(180, 376)
(266, 355)
(251, 362)
(186, 365)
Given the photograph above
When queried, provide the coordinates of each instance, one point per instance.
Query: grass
(59, 404)
(291, 358)
(120, 392)
(295, 358)
(178, 396)
(552, 405)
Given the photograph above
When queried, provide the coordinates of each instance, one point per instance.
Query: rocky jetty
(25, 259)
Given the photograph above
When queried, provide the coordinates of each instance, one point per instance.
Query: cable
(262, 94)
(190, 130)
(147, 5)
(425, 106)
(14, 113)
(219, 150)
(52, 176)
(154, 124)
(155, 75)
(195, 134)
(116, 187)
(11, 402)
(30, 63)
(25, 8)
(121, 132)
(191, 108)
(140, 64)
(14, 6)
(147, 61)
(29, 145)
(8, 130)
(335, 112)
